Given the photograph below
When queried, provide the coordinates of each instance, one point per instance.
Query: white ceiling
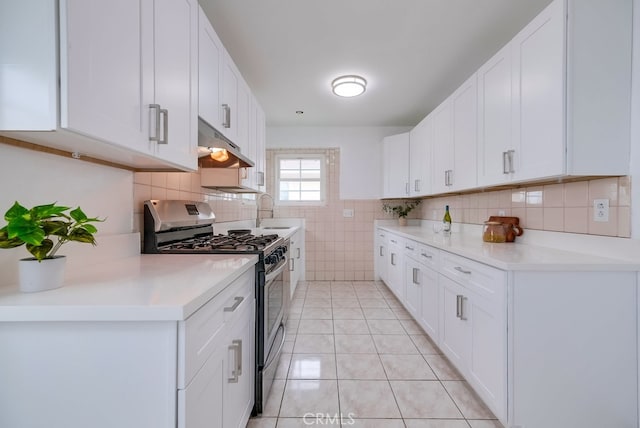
(413, 53)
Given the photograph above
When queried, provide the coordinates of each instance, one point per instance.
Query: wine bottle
(446, 221)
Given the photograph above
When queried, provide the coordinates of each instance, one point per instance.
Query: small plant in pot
(36, 228)
(401, 210)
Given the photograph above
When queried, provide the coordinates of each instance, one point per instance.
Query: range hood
(216, 151)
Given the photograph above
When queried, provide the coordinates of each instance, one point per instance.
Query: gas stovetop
(231, 243)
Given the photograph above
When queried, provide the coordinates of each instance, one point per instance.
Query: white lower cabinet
(421, 287)
(395, 266)
(381, 255)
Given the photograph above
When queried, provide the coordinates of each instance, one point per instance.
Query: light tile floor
(352, 351)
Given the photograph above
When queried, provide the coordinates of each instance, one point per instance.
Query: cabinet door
(413, 287)
(250, 149)
(201, 404)
(396, 166)
(464, 103)
(239, 393)
(106, 79)
(261, 162)
(229, 100)
(442, 148)
(454, 322)
(429, 303)
(538, 95)
(176, 78)
(381, 255)
(420, 140)
(210, 58)
(394, 268)
(494, 118)
(243, 116)
(487, 352)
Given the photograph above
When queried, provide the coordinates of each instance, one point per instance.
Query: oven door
(274, 303)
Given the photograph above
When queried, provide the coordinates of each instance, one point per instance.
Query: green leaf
(5, 242)
(78, 215)
(40, 251)
(47, 211)
(82, 235)
(26, 230)
(15, 211)
(55, 227)
(90, 228)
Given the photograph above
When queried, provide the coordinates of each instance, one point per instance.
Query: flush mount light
(220, 155)
(349, 86)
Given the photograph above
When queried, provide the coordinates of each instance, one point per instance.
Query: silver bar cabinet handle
(415, 276)
(298, 254)
(165, 126)
(459, 306)
(292, 265)
(505, 161)
(462, 316)
(235, 305)
(406, 187)
(511, 164)
(234, 373)
(226, 123)
(156, 136)
(393, 259)
(381, 247)
(238, 344)
(408, 248)
(416, 185)
(427, 256)
(459, 269)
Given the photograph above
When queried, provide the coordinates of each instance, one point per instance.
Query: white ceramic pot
(40, 276)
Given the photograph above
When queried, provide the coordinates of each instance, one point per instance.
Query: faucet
(258, 202)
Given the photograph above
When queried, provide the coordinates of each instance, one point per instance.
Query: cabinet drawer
(201, 333)
(477, 277)
(429, 256)
(411, 249)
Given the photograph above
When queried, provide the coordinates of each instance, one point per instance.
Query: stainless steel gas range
(186, 227)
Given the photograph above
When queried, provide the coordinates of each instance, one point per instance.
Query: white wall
(360, 153)
(36, 178)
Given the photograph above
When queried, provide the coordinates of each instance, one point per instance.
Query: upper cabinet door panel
(494, 117)
(538, 91)
(210, 58)
(464, 112)
(106, 86)
(229, 101)
(176, 76)
(443, 174)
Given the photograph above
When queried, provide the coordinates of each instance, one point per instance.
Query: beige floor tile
(394, 344)
(312, 366)
(401, 314)
(369, 294)
(316, 314)
(411, 327)
(485, 424)
(443, 368)
(343, 294)
(314, 344)
(360, 366)
(424, 399)
(367, 399)
(283, 366)
(295, 422)
(318, 294)
(309, 396)
(436, 423)
(424, 344)
(288, 345)
(379, 314)
(318, 302)
(393, 302)
(292, 326)
(350, 327)
(345, 302)
(315, 327)
(385, 327)
(348, 314)
(371, 423)
(406, 367)
(274, 400)
(373, 303)
(469, 403)
(262, 423)
(354, 344)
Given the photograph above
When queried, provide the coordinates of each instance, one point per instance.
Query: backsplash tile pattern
(562, 207)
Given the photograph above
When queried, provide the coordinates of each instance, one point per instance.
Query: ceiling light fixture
(349, 86)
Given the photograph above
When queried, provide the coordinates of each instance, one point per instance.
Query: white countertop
(511, 256)
(145, 287)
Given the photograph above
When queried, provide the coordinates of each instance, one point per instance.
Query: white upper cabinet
(555, 101)
(210, 60)
(494, 118)
(420, 144)
(442, 148)
(464, 120)
(396, 160)
(111, 78)
(229, 98)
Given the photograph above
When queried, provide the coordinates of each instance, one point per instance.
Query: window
(300, 179)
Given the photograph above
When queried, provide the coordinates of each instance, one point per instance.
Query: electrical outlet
(601, 210)
(501, 213)
(347, 213)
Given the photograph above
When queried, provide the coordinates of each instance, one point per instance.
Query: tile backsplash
(562, 207)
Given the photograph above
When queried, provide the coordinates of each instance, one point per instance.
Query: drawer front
(429, 256)
(201, 333)
(477, 277)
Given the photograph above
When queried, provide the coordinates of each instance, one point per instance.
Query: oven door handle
(278, 271)
(273, 355)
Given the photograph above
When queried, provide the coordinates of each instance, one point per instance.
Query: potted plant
(402, 210)
(35, 228)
